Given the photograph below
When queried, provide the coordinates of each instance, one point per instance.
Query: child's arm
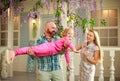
(67, 56)
(71, 46)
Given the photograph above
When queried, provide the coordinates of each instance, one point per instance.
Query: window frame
(108, 28)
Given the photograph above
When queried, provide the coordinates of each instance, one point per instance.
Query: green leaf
(103, 22)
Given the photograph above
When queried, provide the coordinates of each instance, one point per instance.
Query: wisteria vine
(58, 6)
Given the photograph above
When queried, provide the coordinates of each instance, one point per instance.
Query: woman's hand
(76, 51)
(86, 54)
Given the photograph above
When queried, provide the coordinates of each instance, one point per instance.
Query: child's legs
(41, 50)
(9, 56)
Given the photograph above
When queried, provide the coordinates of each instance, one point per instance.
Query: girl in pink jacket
(48, 49)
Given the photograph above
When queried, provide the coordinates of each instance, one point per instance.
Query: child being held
(48, 49)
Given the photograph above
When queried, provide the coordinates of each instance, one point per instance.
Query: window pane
(15, 43)
(113, 22)
(104, 41)
(95, 14)
(0, 19)
(97, 23)
(113, 33)
(4, 27)
(113, 13)
(3, 42)
(104, 33)
(3, 35)
(15, 35)
(106, 20)
(113, 41)
(97, 31)
(104, 14)
(16, 23)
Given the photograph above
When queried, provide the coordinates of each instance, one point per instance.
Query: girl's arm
(69, 44)
(67, 56)
(95, 59)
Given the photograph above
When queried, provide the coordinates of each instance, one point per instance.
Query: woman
(90, 56)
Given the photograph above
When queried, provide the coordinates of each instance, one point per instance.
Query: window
(109, 33)
(16, 31)
(4, 29)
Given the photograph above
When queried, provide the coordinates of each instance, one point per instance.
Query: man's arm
(30, 51)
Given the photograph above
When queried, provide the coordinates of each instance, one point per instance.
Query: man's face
(51, 29)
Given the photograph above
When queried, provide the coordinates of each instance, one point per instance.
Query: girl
(48, 49)
(90, 56)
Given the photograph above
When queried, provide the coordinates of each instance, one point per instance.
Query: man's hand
(63, 50)
(30, 52)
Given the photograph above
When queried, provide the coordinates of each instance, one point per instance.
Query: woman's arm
(79, 47)
(95, 59)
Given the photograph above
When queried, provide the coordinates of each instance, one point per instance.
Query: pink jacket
(50, 48)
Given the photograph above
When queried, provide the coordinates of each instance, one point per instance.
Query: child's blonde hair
(97, 41)
(66, 30)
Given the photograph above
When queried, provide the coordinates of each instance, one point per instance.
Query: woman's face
(90, 37)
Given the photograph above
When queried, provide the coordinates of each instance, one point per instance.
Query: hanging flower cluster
(58, 6)
(15, 5)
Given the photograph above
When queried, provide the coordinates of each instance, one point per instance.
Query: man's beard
(51, 33)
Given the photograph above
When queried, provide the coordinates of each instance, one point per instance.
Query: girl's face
(70, 34)
(90, 37)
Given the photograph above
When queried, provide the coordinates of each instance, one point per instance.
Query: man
(49, 66)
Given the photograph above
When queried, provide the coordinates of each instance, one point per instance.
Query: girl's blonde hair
(66, 30)
(97, 41)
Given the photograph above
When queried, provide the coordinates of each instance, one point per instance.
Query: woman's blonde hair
(66, 30)
(97, 41)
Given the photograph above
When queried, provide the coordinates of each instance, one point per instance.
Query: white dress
(87, 70)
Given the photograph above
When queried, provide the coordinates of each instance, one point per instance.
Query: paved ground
(23, 76)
